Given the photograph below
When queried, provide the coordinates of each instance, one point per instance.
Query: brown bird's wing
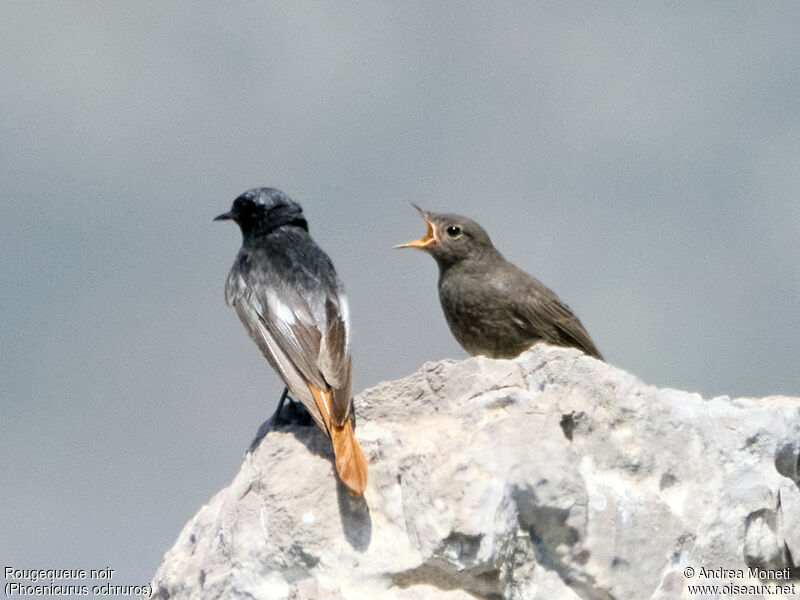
(541, 311)
(568, 328)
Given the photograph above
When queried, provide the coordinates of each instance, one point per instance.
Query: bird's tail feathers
(350, 461)
(351, 464)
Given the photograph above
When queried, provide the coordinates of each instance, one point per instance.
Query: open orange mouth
(430, 235)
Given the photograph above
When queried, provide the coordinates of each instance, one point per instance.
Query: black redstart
(291, 302)
(493, 307)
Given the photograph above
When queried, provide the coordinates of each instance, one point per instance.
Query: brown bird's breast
(480, 310)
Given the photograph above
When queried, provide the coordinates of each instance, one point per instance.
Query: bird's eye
(453, 231)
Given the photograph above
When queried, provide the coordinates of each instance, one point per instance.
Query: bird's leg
(269, 423)
(280, 404)
(352, 414)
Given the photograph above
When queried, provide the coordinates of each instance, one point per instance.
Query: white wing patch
(344, 310)
(279, 309)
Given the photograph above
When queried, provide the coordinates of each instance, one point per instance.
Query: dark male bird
(493, 307)
(291, 302)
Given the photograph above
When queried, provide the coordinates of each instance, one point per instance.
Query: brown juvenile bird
(493, 307)
(291, 302)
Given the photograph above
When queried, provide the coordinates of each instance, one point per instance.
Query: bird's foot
(287, 413)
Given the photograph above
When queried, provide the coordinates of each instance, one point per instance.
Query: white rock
(550, 476)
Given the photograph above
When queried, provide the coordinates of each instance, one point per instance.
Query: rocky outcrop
(551, 476)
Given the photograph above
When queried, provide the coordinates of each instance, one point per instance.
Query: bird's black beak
(224, 217)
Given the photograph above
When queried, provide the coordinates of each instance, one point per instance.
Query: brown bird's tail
(351, 464)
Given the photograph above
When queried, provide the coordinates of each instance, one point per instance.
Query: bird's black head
(261, 210)
(452, 238)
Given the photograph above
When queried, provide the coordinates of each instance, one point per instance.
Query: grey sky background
(642, 160)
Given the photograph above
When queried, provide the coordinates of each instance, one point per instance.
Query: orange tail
(350, 461)
(351, 464)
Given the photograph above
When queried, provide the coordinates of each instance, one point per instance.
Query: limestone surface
(551, 476)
